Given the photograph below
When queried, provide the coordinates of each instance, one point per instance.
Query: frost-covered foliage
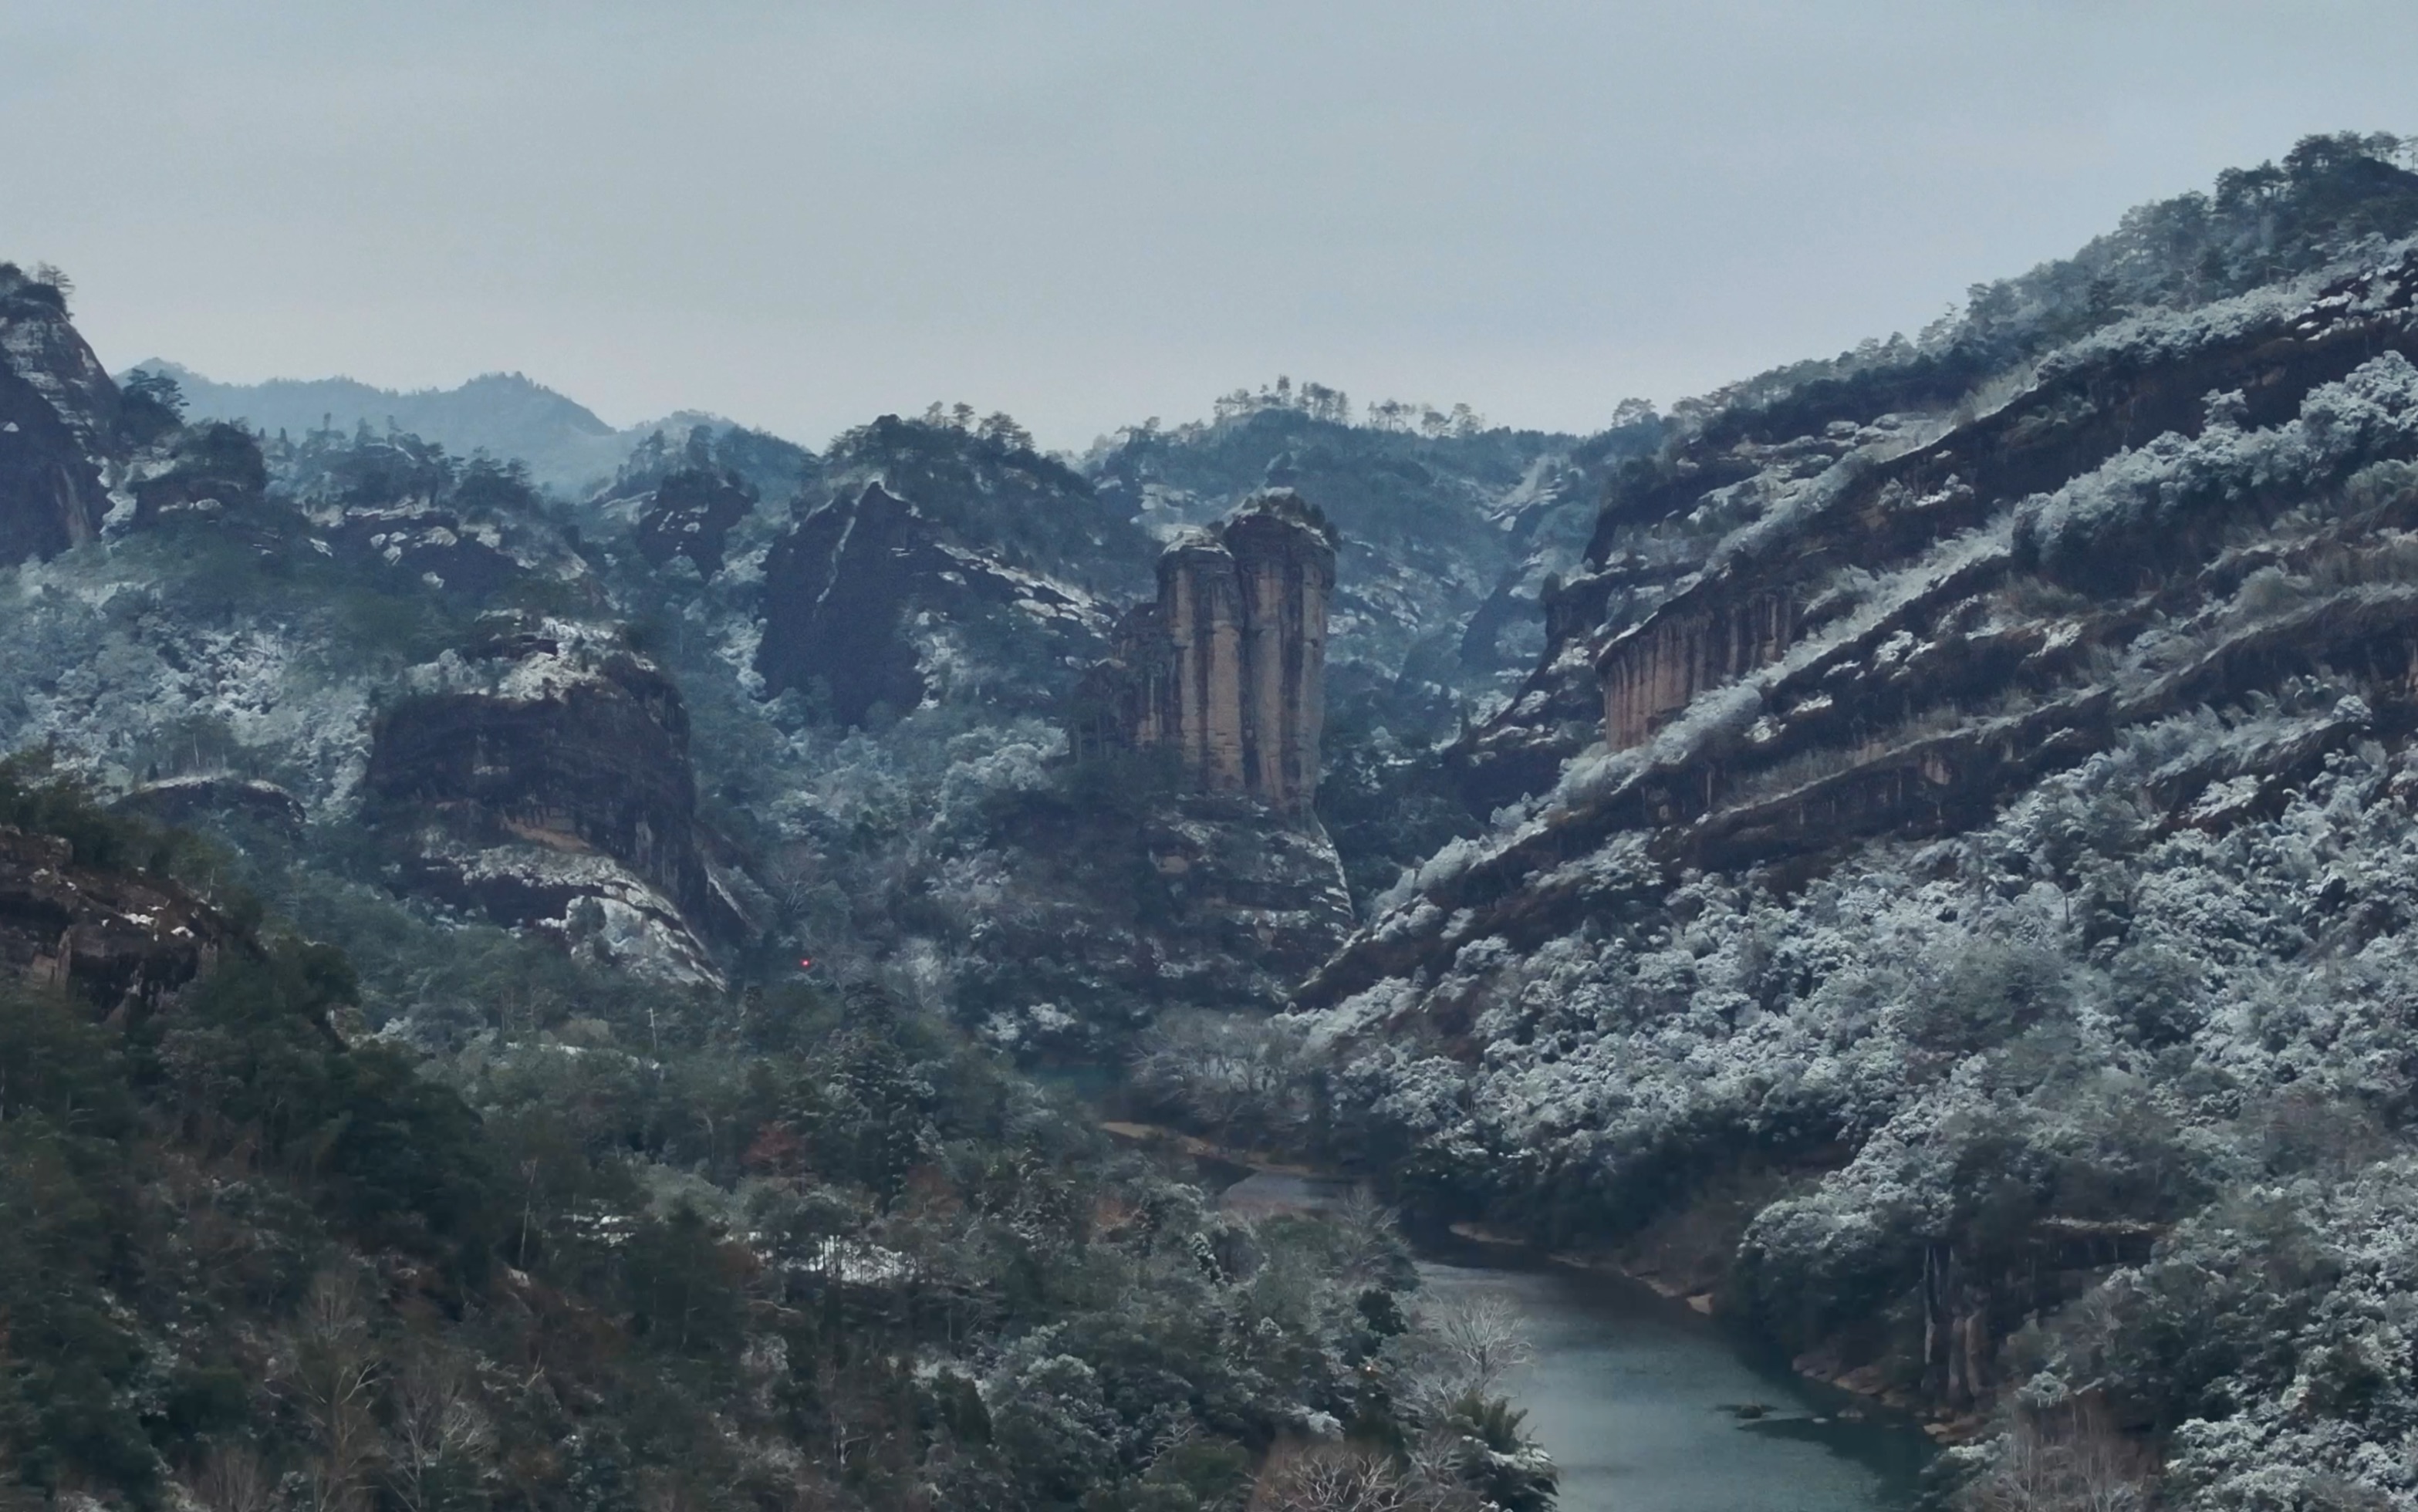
(2083, 1024)
(997, 493)
(2261, 227)
(229, 628)
(805, 1248)
(777, 469)
(2179, 482)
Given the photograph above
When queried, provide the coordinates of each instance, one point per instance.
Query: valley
(594, 979)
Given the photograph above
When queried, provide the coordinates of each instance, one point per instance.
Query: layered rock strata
(120, 941)
(1823, 707)
(549, 786)
(1226, 670)
(2095, 403)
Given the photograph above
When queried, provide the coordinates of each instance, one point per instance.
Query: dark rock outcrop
(200, 469)
(690, 513)
(1119, 909)
(119, 939)
(58, 425)
(858, 597)
(183, 799)
(552, 789)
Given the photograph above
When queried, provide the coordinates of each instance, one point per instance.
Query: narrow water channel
(1639, 1401)
(1648, 1406)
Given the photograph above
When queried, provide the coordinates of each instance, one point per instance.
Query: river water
(1638, 1400)
(1648, 1406)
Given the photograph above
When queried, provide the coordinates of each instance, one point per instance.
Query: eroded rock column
(1229, 666)
(1286, 569)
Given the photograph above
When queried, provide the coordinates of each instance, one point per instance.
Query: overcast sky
(802, 215)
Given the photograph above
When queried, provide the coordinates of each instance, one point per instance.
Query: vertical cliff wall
(1228, 669)
(1653, 673)
(1284, 559)
(1201, 604)
(58, 425)
(544, 781)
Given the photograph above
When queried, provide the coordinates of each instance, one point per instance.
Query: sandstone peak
(1227, 668)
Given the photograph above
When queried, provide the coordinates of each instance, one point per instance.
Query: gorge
(717, 985)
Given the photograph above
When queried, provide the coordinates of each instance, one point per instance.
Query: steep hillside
(794, 1249)
(1956, 916)
(462, 1122)
(61, 425)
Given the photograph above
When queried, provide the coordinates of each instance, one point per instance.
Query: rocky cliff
(1226, 670)
(1986, 803)
(543, 779)
(873, 604)
(1833, 651)
(122, 940)
(690, 513)
(283, 642)
(58, 425)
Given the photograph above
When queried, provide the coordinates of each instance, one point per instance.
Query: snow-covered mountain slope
(1957, 861)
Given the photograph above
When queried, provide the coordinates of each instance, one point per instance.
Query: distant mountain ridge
(567, 445)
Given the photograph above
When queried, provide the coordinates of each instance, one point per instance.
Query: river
(1648, 1406)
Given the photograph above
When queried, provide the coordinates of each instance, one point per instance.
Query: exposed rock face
(2031, 680)
(1677, 656)
(551, 787)
(691, 514)
(58, 426)
(1228, 669)
(1745, 612)
(186, 799)
(201, 469)
(834, 592)
(872, 601)
(120, 941)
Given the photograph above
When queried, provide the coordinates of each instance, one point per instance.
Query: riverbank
(1647, 1405)
(1674, 1266)
(1646, 1402)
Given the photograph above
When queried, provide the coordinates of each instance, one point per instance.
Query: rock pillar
(1229, 667)
(1287, 571)
(1201, 603)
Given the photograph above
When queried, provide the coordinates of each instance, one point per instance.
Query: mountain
(569, 1054)
(505, 414)
(1949, 908)
(59, 419)
(254, 1245)
(1911, 852)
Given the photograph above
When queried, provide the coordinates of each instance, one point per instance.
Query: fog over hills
(567, 448)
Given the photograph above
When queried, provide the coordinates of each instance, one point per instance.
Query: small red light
(805, 962)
